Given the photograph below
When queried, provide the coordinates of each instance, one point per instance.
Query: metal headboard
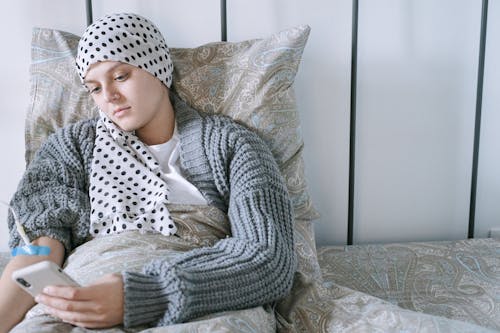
(477, 126)
(353, 99)
(223, 17)
(88, 9)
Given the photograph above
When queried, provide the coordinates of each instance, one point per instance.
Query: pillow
(250, 81)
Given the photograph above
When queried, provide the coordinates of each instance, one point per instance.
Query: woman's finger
(67, 292)
(77, 317)
(90, 324)
(65, 304)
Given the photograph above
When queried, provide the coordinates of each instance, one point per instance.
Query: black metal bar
(477, 126)
(88, 8)
(223, 20)
(352, 136)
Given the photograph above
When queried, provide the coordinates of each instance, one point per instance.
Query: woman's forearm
(14, 302)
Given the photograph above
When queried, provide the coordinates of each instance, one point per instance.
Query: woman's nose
(111, 95)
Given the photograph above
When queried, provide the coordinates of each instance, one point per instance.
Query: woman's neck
(160, 129)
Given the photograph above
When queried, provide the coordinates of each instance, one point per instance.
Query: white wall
(416, 100)
(417, 78)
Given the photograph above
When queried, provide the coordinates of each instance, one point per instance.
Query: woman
(118, 173)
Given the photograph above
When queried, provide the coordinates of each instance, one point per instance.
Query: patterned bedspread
(458, 280)
(411, 287)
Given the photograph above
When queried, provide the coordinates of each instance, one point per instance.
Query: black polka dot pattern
(127, 191)
(127, 38)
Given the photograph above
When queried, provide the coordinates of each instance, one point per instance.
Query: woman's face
(131, 97)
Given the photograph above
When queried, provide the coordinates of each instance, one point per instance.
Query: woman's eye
(94, 90)
(121, 77)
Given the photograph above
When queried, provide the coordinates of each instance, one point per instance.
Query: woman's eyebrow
(85, 81)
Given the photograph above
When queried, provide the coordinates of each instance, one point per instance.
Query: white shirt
(168, 156)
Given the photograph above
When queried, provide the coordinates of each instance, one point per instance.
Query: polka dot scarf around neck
(127, 188)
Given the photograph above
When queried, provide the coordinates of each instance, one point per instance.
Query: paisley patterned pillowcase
(250, 81)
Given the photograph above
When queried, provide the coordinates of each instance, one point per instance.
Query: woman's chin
(126, 127)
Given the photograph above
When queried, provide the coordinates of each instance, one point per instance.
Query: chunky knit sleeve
(253, 267)
(52, 196)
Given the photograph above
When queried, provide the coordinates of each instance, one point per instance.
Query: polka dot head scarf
(128, 38)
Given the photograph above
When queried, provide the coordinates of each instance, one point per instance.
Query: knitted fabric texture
(128, 38)
(234, 170)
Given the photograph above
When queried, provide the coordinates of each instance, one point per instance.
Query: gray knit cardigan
(233, 169)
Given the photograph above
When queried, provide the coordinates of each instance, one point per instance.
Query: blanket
(315, 305)
(457, 279)
(197, 226)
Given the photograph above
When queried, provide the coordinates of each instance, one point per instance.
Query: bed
(448, 286)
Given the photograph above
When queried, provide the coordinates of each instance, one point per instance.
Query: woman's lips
(120, 111)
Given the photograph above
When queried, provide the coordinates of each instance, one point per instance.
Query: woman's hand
(11, 293)
(96, 306)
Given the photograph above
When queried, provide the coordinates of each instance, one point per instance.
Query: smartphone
(35, 277)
